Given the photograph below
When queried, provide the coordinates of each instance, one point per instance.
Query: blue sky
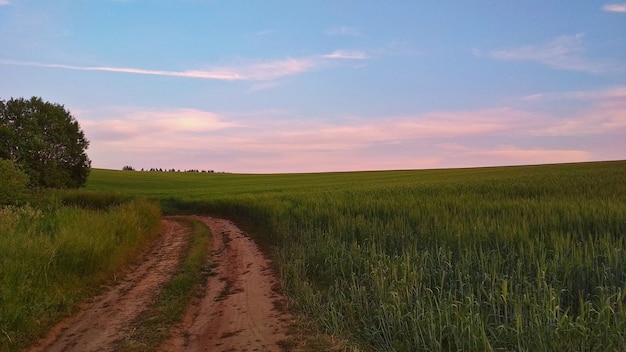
(307, 86)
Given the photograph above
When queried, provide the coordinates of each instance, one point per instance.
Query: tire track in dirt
(241, 309)
(107, 318)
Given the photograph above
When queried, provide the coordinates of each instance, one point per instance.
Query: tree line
(130, 168)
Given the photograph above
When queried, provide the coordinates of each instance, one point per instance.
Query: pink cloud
(621, 8)
(135, 127)
(517, 156)
(466, 155)
(606, 113)
(346, 54)
(275, 141)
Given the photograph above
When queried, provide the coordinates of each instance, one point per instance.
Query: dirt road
(239, 311)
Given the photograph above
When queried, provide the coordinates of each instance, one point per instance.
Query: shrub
(14, 185)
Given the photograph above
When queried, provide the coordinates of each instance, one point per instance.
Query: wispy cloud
(276, 69)
(620, 8)
(4, 2)
(153, 127)
(251, 71)
(613, 93)
(564, 52)
(344, 30)
(606, 113)
(346, 54)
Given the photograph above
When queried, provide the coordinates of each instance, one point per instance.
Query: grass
(53, 256)
(511, 258)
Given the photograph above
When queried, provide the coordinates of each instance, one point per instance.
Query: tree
(45, 141)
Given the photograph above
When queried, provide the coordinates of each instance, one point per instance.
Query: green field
(508, 258)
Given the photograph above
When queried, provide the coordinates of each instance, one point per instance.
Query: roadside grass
(53, 256)
(506, 258)
(86, 199)
(154, 325)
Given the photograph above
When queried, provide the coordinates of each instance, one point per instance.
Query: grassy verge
(51, 258)
(155, 323)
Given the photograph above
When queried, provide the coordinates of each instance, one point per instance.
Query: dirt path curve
(108, 318)
(241, 310)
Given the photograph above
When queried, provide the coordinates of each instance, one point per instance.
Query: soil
(239, 310)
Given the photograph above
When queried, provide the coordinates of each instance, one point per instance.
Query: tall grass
(522, 258)
(52, 257)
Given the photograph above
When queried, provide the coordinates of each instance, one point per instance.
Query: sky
(313, 86)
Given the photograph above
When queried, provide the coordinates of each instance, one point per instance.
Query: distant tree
(14, 185)
(45, 141)
(129, 168)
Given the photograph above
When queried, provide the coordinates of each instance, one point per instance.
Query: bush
(14, 185)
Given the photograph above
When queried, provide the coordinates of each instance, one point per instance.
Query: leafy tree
(14, 185)
(45, 141)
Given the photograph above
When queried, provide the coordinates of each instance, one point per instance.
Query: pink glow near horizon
(190, 138)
